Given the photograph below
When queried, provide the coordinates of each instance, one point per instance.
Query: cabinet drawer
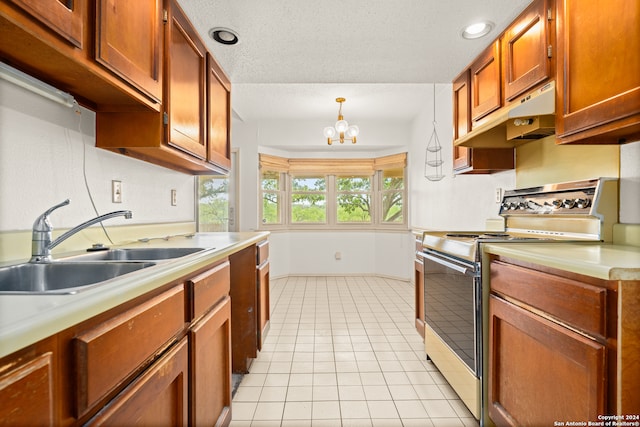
(574, 303)
(263, 252)
(106, 355)
(208, 288)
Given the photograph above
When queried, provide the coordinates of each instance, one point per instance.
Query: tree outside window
(271, 184)
(213, 203)
(392, 196)
(354, 199)
(308, 199)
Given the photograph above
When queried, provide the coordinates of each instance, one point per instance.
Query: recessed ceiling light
(477, 30)
(224, 35)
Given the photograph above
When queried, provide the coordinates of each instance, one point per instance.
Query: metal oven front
(453, 322)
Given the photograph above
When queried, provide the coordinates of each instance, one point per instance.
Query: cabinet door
(263, 303)
(598, 75)
(532, 356)
(65, 17)
(486, 92)
(210, 341)
(218, 116)
(527, 60)
(461, 119)
(26, 393)
(129, 42)
(159, 397)
(185, 95)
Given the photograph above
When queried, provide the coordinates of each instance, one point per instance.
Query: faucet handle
(42, 222)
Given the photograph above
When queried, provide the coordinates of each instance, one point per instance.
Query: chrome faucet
(41, 241)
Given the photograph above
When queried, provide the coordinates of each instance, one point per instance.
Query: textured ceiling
(311, 51)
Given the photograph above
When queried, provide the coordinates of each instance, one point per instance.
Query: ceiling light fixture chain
(341, 128)
(433, 155)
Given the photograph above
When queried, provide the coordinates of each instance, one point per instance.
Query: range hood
(529, 118)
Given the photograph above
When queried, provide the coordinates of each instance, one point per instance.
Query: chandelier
(341, 128)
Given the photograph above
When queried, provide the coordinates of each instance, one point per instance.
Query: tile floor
(343, 351)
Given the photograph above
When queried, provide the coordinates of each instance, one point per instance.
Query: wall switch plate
(116, 191)
(174, 198)
(498, 196)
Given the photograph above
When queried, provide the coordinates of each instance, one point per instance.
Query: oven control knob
(568, 203)
(522, 206)
(583, 203)
(508, 206)
(557, 203)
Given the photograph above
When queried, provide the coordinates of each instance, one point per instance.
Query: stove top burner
(469, 235)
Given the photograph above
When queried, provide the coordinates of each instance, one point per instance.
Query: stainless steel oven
(455, 287)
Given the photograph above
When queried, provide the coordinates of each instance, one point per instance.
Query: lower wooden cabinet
(536, 363)
(210, 376)
(263, 292)
(26, 392)
(159, 397)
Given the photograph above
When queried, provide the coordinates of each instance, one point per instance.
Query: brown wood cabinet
(66, 18)
(264, 311)
(473, 160)
(419, 287)
(57, 41)
(210, 347)
(557, 340)
(598, 72)
(486, 86)
(26, 391)
(129, 42)
(191, 135)
(163, 358)
(527, 49)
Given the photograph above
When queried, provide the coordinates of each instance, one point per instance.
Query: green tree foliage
(213, 206)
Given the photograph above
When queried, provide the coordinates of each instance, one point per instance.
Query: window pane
(270, 208)
(316, 183)
(271, 180)
(213, 203)
(392, 179)
(392, 207)
(308, 208)
(354, 183)
(354, 207)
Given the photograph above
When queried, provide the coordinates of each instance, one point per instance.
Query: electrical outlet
(116, 191)
(174, 198)
(498, 195)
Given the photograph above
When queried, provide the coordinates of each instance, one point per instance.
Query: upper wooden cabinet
(129, 42)
(218, 115)
(191, 134)
(473, 160)
(527, 49)
(65, 17)
(598, 72)
(486, 86)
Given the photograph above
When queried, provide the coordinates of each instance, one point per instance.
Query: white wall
(45, 150)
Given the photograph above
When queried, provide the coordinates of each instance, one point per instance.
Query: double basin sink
(74, 274)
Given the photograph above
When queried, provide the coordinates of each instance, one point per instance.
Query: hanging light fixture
(341, 128)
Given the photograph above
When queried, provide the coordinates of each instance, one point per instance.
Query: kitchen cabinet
(107, 58)
(569, 321)
(26, 390)
(263, 291)
(218, 115)
(473, 160)
(158, 397)
(486, 86)
(65, 18)
(419, 287)
(598, 72)
(527, 49)
(210, 347)
(191, 134)
(129, 42)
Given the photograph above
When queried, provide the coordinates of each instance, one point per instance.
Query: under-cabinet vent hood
(530, 118)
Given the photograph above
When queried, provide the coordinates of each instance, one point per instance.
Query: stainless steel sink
(62, 277)
(136, 254)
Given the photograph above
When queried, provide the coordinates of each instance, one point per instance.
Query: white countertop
(601, 260)
(26, 319)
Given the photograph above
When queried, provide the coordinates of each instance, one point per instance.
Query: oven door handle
(453, 266)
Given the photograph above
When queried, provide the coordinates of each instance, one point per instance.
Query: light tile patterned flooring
(343, 351)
